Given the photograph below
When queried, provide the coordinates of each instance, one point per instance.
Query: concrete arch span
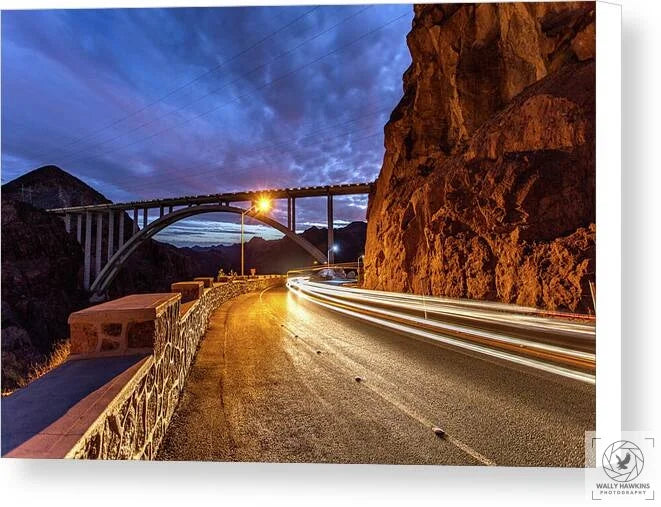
(106, 276)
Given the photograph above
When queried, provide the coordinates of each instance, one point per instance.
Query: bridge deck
(281, 193)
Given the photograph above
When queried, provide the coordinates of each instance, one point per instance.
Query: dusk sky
(145, 103)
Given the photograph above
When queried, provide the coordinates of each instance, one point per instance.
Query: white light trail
(355, 302)
(528, 323)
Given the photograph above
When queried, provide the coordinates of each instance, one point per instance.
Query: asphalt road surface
(279, 379)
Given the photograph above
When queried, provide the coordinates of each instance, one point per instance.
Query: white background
(34, 482)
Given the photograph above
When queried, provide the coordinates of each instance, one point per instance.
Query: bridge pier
(135, 220)
(289, 213)
(111, 233)
(99, 238)
(67, 223)
(120, 240)
(293, 214)
(331, 254)
(87, 265)
(79, 228)
(145, 212)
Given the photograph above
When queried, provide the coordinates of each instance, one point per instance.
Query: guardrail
(561, 344)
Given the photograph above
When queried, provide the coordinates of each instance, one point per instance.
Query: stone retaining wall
(133, 424)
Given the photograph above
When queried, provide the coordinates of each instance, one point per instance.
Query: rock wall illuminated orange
(487, 189)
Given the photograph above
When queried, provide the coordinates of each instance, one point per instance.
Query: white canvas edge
(609, 218)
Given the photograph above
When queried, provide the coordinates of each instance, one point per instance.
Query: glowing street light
(262, 205)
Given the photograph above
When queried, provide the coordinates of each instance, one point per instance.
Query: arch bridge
(121, 242)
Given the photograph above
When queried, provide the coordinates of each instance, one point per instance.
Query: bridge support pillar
(87, 266)
(99, 236)
(135, 220)
(79, 228)
(331, 256)
(120, 240)
(111, 233)
(160, 212)
(170, 209)
(145, 212)
(67, 223)
(289, 213)
(293, 214)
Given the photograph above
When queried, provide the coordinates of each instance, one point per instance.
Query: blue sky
(144, 103)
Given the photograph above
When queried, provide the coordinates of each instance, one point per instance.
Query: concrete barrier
(206, 280)
(128, 416)
(189, 290)
(122, 326)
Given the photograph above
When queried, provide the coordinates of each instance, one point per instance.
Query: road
(279, 379)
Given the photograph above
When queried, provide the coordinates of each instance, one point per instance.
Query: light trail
(460, 308)
(557, 346)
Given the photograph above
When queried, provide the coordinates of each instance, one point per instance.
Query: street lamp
(333, 248)
(262, 205)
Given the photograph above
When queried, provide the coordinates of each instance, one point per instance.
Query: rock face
(487, 189)
(40, 287)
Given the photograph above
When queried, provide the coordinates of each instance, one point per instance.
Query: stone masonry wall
(134, 423)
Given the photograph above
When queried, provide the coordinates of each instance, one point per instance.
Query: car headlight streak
(556, 346)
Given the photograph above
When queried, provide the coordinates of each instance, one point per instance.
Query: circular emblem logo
(623, 461)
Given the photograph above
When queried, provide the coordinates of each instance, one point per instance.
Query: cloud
(251, 98)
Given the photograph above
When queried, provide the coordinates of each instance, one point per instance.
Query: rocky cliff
(41, 264)
(487, 189)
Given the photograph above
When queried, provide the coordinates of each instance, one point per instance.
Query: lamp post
(333, 248)
(263, 205)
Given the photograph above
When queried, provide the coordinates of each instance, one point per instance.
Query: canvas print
(315, 234)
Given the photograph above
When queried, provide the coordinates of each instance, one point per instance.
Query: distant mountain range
(42, 264)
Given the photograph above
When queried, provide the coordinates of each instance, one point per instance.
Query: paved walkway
(28, 411)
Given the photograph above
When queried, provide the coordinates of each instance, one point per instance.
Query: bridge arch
(106, 276)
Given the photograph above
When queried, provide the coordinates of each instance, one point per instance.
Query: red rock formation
(487, 188)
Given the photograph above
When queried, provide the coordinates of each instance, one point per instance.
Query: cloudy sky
(144, 103)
